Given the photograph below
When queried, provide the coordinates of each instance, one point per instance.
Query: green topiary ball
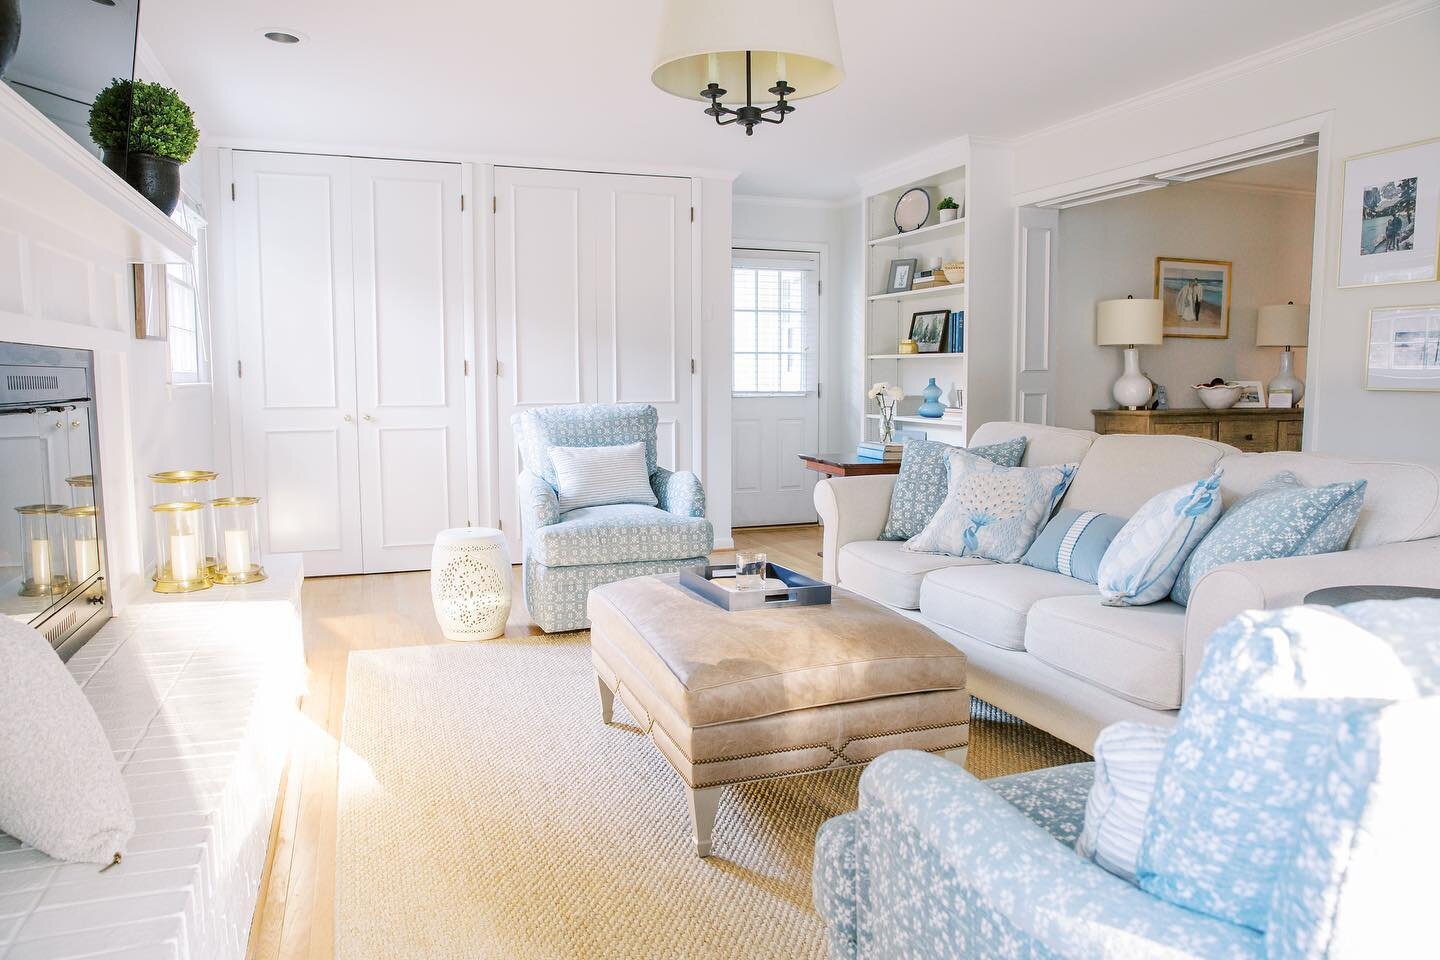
(144, 118)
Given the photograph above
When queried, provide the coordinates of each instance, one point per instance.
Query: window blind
(776, 322)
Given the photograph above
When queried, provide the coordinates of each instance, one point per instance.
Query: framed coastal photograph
(902, 275)
(1195, 295)
(1252, 393)
(1404, 348)
(1390, 227)
(927, 329)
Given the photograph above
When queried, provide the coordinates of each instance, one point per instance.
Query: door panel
(770, 483)
(296, 331)
(1037, 239)
(409, 356)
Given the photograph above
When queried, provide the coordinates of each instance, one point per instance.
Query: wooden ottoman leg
(607, 699)
(703, 805)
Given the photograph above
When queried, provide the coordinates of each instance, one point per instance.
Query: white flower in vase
(887, 397)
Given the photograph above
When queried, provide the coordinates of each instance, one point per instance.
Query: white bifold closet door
(352, 345)
(593, 303)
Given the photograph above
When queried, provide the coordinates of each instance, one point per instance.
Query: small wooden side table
(848, 465)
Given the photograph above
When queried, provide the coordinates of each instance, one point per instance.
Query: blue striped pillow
(597, 476)
(1073, 542)
(1127, 761)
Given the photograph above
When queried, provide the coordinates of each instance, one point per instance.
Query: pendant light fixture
(714, 52)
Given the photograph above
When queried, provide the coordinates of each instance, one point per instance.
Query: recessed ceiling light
(279, 36)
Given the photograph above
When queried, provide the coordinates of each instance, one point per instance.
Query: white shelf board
(926, 292)
(923, 233)
(47, 171)
(957, 423)
(943, 355)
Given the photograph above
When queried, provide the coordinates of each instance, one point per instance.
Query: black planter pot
(112, 157)
(9, 32)
(157, 179)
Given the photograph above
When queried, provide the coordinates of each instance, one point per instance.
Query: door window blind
(776, 304)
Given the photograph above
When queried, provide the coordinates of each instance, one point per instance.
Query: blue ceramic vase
(931, 407)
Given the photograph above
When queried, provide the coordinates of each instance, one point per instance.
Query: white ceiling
(569, 80)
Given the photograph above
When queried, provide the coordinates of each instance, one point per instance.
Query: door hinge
(239, 369)
(497, 368)
(819, 286)
(499, 524)
(462, 210)
(232, 191)
(692, 214)
(819, 389)
(494, 205)
(692, 366)
(467, 373)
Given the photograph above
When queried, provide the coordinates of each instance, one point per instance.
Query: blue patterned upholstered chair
(566, 554)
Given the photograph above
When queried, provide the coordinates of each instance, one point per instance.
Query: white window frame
(192, 281)
(808, 261)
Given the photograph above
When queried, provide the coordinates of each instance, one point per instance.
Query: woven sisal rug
(486, 811)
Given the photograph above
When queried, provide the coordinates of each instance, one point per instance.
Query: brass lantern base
(255, 574)
(181, 586)
(56, 587)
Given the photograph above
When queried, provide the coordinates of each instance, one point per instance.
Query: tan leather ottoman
(733, 697)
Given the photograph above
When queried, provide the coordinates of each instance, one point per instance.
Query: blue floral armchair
(567, 554)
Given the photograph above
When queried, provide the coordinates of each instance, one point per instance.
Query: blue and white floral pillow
(924, 480)
(992, 511)
(1282, 518)
(1142, 562)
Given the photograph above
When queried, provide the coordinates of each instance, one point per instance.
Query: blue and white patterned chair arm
(679, 492)
(539, 506)
(836, 882)
(946, 867)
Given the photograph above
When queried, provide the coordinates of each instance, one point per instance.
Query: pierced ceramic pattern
(470, 586)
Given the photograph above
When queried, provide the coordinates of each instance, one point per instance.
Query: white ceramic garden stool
(470, 583)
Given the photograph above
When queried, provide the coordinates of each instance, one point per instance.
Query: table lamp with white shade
(1130, 323)
(1285, 325)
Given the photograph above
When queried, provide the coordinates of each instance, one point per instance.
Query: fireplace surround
(52, 529)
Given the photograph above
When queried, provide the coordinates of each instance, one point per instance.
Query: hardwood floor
(295, 915)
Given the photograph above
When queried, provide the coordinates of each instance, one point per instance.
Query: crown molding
(1211, 183)
(1290, 50)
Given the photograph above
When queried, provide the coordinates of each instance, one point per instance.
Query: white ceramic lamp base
(1133, 389)
(1286, 379)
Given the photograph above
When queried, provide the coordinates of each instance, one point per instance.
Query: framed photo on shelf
(1390, 226)
(1195, 295)
(927, 329)
(902, 275)
(1252, 394)
(1404, 348)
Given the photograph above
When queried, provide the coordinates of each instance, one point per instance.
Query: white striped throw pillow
(595, 476)
(1127, 760)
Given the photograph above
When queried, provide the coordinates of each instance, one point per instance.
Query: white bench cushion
(1134, 652)
(885, 571)
(991, 603)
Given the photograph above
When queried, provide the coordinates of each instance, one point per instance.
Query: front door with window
(775, 407)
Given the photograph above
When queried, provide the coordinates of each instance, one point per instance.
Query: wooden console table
(1254, 430)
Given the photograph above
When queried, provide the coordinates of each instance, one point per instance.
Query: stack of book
(955, 332)
(953, 413)
(873, 451)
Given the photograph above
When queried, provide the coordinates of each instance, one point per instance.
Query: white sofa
(1044, 648)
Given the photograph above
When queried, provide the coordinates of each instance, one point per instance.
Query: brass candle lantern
(82, 490)
(82, 542)
(180, 563)
(237, 525)
(42, 551)
(190, 486)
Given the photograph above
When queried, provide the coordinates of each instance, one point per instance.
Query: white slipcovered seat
(1134, 652)
(992, 604)
(884, 570)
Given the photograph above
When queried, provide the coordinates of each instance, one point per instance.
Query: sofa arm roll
(539, 506)
(851, 508)
(1270, 584)
(970, 872)
(679, 492)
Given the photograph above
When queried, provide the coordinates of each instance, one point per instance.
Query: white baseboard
(724, 543)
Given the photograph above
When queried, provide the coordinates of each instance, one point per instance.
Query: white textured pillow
(60, 787)
(594, 476)
(1127, 760)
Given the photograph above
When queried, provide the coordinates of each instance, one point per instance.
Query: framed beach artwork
(1390, 230)
(1404, 348)
(1195, 295)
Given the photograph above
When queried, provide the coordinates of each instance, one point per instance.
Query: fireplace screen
(52, 560)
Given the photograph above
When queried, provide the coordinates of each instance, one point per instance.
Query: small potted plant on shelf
(145, 132)
(949, 209)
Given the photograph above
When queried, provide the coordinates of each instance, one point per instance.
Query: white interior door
(1038, 241)
(296, 332)
(775, 407)
(592, 294)
(409, 358)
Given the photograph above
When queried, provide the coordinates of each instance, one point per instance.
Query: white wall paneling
(1034, 310)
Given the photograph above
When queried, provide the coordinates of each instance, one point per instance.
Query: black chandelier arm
(748, 116)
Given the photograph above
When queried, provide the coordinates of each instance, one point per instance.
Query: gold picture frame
(1426, 342)
(1185, 288)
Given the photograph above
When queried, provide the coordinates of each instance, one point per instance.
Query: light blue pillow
(992, 511)
(1073, 543)
(1281, 518)
(1145, 557)
(924, 479)
(1254, 738)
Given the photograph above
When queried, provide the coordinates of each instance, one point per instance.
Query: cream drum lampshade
(702, 43)
(1283, 325)
(1129, 322)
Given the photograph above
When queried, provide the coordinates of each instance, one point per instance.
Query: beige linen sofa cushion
(1121, 471)
(1134, 652)
(1045, 446)
(885, 571)
(1402, 500)
(991, 603)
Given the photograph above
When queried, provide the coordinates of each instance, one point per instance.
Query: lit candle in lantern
(87, 559)
(185, 556)
(40, 563)
(237, 553)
